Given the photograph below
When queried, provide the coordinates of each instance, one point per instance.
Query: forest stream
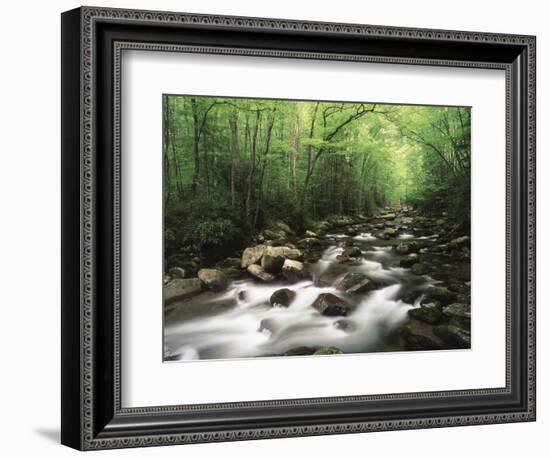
(352, 286)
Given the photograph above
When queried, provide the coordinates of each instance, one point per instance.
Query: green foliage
(234, 166)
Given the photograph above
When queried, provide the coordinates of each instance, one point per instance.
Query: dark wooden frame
(92, 42)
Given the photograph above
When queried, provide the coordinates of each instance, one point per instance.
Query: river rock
(176, 272)
(234, 263)
(252, 255)
(295, 271)
(459, 288)
(390, 232)
(453, 335)
(345, 325)
(284, 251)
(388, 216)
(321, 226)
(342, 220)
(349, 280)
(428, 313)
(409, 260)
(406, 248)
(282, 297)
(352, 252)
(419, 269)
(272, 264)
(328, 351)
(419, 336)
(330, 305)
(181, 288)
(441, 295)
(258, 272)
(308, 242)
(213, 279)
(232, 273)
(282, 226)
(458, 314)
(299, 351)
(460, 242)
(310, 234)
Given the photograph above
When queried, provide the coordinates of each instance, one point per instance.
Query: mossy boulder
(213, 279)
(282, 297)
(428, 313)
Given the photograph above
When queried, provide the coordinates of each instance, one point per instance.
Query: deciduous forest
(299, 228)
(235, 166)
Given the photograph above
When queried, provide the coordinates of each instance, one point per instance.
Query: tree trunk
(252, 170)
(196, 140)
(264, 166)
(233, 118)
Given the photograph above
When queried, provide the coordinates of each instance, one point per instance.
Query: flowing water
(252, 327)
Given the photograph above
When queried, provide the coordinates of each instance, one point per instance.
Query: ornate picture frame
(93, 416)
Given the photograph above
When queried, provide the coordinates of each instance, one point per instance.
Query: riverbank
(395, 281)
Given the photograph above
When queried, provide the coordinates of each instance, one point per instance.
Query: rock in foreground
(272, 264)
(213, 279)
(419, 336)
(282, 297)
(181, 289)
(330, 305)
(258, 272)
(328, 351)
(428, 313)
(294, 271)
(453, 335)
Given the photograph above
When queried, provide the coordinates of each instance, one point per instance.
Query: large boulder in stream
(282, 297)
(252, 255)
(409, 260)
(357, 283)
(257, 271)
(352, 252)
(388, 216)
(294, 271)
(180, 289)
(213, 279)
(272, 264)
(406, 248)
(330, 305)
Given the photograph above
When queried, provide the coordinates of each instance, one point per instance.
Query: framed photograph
(276, 228)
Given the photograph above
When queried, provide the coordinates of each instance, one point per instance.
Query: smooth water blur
(254, 328)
